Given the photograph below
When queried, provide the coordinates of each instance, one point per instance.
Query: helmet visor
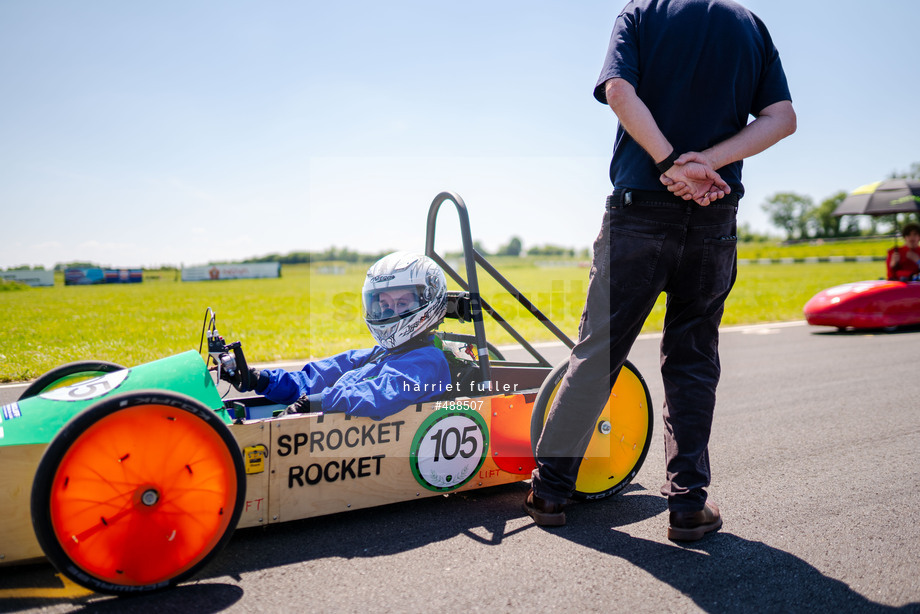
(392, 304)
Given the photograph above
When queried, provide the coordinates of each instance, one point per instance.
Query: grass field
(308, 314)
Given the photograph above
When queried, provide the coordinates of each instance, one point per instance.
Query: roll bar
(471, 286)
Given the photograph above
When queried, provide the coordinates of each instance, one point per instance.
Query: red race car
(866, 304)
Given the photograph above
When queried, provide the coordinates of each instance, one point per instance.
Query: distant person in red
(903, 261)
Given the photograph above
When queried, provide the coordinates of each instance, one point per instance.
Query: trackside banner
(83, 276)
(246, 270)
(30, 278)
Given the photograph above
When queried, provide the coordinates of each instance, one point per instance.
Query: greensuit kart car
(131, 480)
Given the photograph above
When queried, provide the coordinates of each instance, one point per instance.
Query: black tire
(71, 373)
(630, 422)
(122, 475)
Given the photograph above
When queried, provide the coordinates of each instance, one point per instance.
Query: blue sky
(168, 132)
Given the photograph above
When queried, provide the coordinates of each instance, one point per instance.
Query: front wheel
(622, 434)
(138, 492)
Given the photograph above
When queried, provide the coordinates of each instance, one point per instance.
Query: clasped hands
(692, 177)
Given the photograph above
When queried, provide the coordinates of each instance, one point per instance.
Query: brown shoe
(691, 526)
(543, 512)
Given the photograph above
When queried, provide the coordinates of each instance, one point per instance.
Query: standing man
(683, 77)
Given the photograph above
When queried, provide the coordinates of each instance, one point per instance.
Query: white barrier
(29, 277)
(246, 270)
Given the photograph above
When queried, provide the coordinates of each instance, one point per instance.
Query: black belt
(624, 197)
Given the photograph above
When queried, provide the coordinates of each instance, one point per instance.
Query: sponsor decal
(11, 411)
(89, 389)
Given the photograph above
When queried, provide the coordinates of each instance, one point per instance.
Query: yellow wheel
(138, 492)
(621, 437)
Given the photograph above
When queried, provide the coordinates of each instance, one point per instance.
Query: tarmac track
(816, 469)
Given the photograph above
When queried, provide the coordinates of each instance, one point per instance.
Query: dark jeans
(649, 243)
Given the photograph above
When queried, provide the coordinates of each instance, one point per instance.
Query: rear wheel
(138, 492)
(622, 434)
(67, 375)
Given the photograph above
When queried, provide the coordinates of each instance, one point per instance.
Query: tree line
(514, 247)
(795, 214)
(801, 219)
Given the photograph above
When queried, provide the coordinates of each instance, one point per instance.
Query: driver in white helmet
(404, 298)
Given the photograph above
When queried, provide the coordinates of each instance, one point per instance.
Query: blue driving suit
(370, 382)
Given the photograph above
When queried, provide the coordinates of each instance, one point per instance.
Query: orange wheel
(621, 438)
(138, 492)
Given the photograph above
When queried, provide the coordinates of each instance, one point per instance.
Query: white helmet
(404, 295)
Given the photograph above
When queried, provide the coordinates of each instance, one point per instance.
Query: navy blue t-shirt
(702, 67)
